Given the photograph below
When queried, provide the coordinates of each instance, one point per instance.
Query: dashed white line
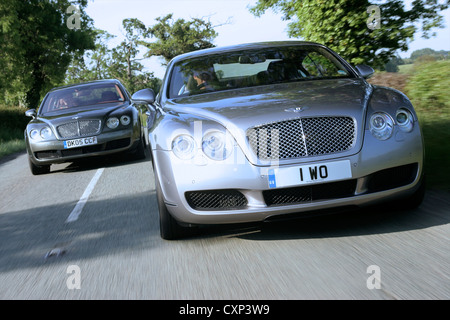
(80, 205)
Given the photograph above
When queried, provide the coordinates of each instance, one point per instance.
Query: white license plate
(76, 143)
(311, 173)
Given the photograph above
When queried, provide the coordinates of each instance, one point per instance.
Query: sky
(235, 23)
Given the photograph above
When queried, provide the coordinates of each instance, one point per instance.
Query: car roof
(105, 81)
(245, 46)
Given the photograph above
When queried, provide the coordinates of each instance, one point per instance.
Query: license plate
(76, 143)
(311, 173)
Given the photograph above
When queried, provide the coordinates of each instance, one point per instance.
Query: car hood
(249, 107)
(99, 111)
(239, 110)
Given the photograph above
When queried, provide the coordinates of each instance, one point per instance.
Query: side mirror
(365, 71)
(143, 96)
(31, 113)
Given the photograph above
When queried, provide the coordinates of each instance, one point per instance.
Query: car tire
(417, 197)
(413, 201)
(139, 152)
(37, 170)
(169, 228)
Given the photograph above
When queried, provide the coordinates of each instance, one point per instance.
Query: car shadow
(381, 219)
(106, 227)
(107, 161)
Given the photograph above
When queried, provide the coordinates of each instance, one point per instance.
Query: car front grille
(302, 137)
(81, 128)
(216, 200)
(296, 195)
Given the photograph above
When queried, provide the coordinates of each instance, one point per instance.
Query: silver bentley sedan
(250, 132)
(84, 120)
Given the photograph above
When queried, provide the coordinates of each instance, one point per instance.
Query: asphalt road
(111, 247)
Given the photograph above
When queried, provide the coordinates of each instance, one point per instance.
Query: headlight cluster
(113, 122)
(216, 145)
(381, 124)
(43, 134)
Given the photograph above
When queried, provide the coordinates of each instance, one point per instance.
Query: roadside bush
(12, 125)
(13, 122)
(429, 86)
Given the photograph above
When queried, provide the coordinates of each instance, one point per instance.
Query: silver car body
(346, 165)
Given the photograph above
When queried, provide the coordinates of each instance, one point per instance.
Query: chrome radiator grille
(80, 128)
(302, 137)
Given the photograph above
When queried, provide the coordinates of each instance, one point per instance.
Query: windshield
(256, 67)
(80, 96)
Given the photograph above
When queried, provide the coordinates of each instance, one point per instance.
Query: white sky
(243, 26)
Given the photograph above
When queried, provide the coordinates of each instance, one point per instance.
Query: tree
(437, 55)
(177, 37)
(343, 25)
(93, 64)
(119, 63)
(125, 66)
(38, 41)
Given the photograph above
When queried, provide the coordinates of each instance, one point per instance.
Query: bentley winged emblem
(296, 109)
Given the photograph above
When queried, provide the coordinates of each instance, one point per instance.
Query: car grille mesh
(80, 128)
(216, 200)
(302, 137)
(333, 190)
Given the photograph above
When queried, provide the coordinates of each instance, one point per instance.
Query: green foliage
(120, 62)
(427, 52)
(428, 88)
(429, 85)
(177, 37)
(343, 25)
(13, 122)
(37, 46)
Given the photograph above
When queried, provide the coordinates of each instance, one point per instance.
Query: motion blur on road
(111, 248)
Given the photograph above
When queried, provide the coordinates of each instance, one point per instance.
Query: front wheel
(170, 229)
(139, 152)
(37, 170)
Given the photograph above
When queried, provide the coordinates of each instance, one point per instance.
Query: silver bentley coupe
(250, 132)
(84, 120)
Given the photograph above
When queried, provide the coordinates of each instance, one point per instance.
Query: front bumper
(51, 152)
(380, 171)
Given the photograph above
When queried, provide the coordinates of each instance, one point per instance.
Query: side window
(319, 66)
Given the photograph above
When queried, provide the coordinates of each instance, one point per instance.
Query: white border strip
(80, 205)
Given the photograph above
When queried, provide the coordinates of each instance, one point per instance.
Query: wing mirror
(365, 71)
(144, 96)
(31, 113)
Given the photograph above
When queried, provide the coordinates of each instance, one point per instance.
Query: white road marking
(80, 205)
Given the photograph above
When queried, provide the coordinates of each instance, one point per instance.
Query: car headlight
(381, 125)
(34, 134)
(112, 122)
(405, 120)
(46, 133)
(184, 147)
(125, 120)
(217, 145)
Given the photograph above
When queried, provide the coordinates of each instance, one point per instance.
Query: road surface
(91, 231)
